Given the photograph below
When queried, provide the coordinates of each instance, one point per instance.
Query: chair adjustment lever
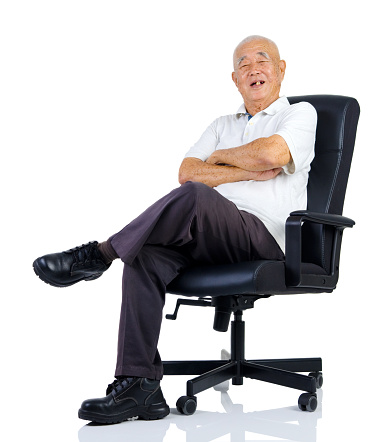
(197, 302)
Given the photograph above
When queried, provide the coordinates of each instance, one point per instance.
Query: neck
(254, 107)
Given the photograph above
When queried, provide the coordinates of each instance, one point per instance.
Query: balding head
(272, 54)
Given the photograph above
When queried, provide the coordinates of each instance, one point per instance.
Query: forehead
(256, 48)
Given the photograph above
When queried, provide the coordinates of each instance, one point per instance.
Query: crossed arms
(259, 160)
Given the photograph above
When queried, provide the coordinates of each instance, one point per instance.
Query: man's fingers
(272, 172)
(269, 174)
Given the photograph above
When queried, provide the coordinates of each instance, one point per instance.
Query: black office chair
(313, 243)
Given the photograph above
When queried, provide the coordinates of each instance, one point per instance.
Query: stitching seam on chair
(341, 138)
(339, 159)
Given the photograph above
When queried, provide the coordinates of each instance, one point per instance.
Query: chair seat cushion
(263, 277)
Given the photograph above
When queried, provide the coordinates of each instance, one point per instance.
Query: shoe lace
(85, 253)
(118, 385)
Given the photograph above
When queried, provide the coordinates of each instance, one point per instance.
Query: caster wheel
(319, 378)
(308, 402)
(186, 405)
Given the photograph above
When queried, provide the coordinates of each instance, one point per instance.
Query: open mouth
(257, 83)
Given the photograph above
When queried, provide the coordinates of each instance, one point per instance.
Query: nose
(254, 69)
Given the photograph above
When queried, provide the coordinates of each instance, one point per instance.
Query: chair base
(282, 372)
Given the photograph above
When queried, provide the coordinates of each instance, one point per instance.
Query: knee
(195, 188)
(189, 196)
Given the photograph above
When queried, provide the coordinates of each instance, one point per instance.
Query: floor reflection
(288, 424)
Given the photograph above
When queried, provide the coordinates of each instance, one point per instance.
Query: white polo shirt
(271, 201)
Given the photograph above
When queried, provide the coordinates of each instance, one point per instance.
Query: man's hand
(214, 159)
(266, 174)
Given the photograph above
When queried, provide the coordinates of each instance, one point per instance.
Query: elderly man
(239, 183)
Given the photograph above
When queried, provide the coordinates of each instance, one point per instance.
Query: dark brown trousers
(193, 224)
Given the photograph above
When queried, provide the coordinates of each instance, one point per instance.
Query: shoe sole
(150, 412)
(42, 276)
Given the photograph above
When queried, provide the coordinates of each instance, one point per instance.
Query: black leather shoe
(64, 269)
(127, 398)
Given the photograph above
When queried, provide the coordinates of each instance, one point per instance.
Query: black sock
(107, 252)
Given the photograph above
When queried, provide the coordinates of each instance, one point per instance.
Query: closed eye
(259, 62)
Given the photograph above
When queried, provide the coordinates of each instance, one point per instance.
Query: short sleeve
(298, 128)
(206, 145)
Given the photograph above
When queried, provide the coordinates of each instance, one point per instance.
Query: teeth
(258, 83)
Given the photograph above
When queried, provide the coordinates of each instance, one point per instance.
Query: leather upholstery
(244, 278)
(335, 136)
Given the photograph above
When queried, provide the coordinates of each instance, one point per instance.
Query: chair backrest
(335, 137)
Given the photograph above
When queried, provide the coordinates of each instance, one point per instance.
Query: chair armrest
(293, 256)
(324, 218)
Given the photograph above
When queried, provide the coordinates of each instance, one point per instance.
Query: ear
(235, 78)
(282, 66)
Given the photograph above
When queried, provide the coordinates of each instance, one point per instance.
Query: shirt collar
(275, 107)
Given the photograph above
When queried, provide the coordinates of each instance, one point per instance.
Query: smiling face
(258, 73)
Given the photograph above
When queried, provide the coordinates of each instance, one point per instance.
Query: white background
(99, 101)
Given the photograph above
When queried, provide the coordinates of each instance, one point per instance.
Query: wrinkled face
(258, 73)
